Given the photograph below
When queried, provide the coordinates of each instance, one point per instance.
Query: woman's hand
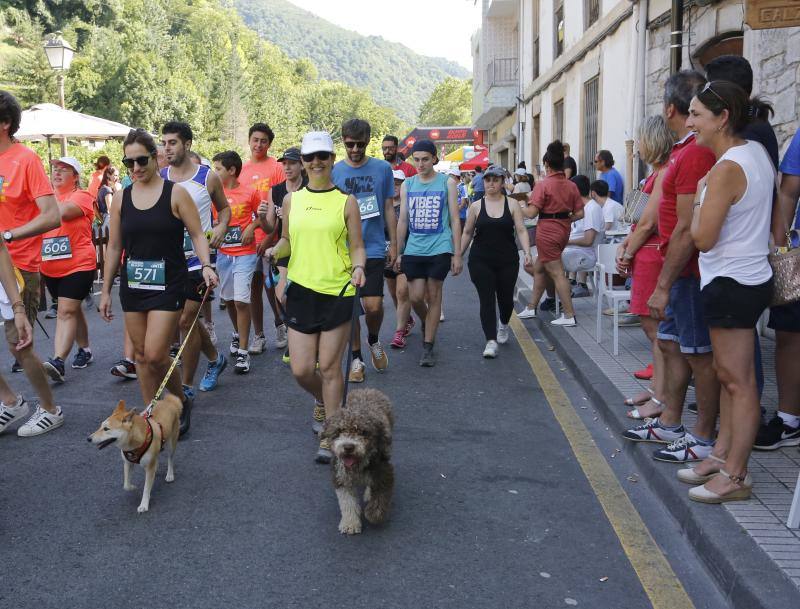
(456, 265)
(396, 265)
(210, 277)
(24, 330)
(267, 252)
(526, 260)
(105, 307)
(358, 278)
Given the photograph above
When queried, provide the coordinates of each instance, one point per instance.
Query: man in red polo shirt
(389, 148)
(28, 209)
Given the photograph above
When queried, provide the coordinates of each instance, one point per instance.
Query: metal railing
(502, 71)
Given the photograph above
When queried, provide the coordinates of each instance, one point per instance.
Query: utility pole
(676, 36)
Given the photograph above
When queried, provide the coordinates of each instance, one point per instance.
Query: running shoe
(281, 336)
(82, 359)
(16, 367)
(242, 365)
(683, 450)
(324, 454)
(502, 333)
(173, 350)
(54, 367)
(623, 307)
(775, 434)
(124, 368)
(285, 358)
(380, 361)
(548, 304)
(652, 431)
(399, 340)
(645, 374)
(564, 322)
(357, 371)
(409, 325)
(211, 333)
(9, 414)
(580, 291)
(428, 359)
(490, 352)
(52, 312)
(41, 422)
(441, 316)
(258, 344)
(188, 392)
(318, 420)
(234, 347)
(211, 377)
(527, 313)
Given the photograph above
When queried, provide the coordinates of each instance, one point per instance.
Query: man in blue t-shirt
(371, 181)
(478, 190)
(604, 163)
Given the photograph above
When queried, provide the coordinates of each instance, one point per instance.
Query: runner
(204, 187)
(237, 257)
(371, 181)
(28, 209)
(322, 233)
(148, 220)
(396, 280)
(270, 215)
(96, 179)
(263, 172)
(391, 156)
(69, 264)
(429, 218)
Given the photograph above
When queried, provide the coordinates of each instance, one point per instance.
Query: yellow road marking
(659, 581)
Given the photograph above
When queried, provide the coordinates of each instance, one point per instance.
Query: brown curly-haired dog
(361, 442)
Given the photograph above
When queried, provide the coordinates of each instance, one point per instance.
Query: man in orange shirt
(27, 210)
(262, 172)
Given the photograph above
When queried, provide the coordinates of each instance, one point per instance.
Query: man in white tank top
(205, 189)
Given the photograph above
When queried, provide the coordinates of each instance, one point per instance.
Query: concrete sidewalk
(749, 577)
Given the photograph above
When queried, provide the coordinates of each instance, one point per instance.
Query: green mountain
(394, 75)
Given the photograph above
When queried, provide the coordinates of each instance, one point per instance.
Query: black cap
(291, 154)
(495, 170)
(424, 146)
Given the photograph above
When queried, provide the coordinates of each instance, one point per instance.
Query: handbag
(635, 202)
(786, 274)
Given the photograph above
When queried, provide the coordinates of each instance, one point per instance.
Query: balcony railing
(502, 71)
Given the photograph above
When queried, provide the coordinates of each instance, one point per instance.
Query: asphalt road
(491, 508)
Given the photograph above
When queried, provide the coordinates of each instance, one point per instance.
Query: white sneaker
(9, 414)
(258, 344)
(234, 346)
(564, 322)
(281, 337)
(502, 333)
(41, 422)
(357, 371)
(490, 352)
(242, 365)
(441, 315)
(210, 328)
(527, 313)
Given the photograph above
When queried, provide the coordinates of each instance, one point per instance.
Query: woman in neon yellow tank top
(322, 233)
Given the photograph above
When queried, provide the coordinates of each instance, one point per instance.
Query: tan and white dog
(141, 440)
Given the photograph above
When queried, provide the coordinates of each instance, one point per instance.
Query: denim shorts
(685, 323)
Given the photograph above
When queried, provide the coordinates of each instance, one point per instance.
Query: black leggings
(495, 283)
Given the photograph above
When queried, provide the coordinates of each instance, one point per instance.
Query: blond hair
(655, 141)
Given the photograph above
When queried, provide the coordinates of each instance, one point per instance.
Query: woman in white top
(731, 228)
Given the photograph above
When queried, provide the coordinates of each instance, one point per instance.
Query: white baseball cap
(399, 175)
(520, 172)
(454, 171)
(316, 141)
(71, 161)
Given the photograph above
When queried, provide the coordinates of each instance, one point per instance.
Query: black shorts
(426, 267)
(196, 286)
(785, 318)
(729, 304)
(310, 312)
(373, 272)
(77, 285)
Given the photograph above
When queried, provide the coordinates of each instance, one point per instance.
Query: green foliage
(449, 104)
(393, 74)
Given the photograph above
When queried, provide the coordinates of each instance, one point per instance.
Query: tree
(450, 103)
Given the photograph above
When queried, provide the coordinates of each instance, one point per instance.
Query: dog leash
(353, 322)
(149, 410)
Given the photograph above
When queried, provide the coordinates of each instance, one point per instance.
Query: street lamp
(59, 56)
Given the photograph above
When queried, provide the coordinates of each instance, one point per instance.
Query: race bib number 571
(146, 274)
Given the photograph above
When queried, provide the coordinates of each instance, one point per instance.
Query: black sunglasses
(355, 144)
(322, 155)
(141, 161)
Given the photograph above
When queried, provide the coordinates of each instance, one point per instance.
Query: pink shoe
(399, 340)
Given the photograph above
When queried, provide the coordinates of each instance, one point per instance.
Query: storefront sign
(767, 14)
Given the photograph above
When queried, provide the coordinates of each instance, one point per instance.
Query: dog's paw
(170, 477)
(142, 508)
(375, 513)
(350, 527)
(129, 487)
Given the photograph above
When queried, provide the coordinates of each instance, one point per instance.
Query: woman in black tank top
(493, 260)
(146, 233)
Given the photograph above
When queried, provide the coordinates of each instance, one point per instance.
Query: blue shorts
(685, 323)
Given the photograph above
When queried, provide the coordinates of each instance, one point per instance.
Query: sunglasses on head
(355, 144)
(141, 161)
(717, 95)
(322, 155)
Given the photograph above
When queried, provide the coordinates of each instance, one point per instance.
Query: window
(591, 95)
(558, 120)
(535, 156)
(591, 12)
(535, 42)
(558, 28)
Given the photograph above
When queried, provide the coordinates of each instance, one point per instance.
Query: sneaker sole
(53, 372)
(781, 444)
(124, 375)
(21, 415)
(241, 370)
(651, 440)
(39, 431)
(86, 365)
(665, 459)
(374, 365)
(361, 380)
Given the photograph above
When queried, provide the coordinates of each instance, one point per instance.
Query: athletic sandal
(744, 488)
(635, 414)
(690, 476)
(638, 400)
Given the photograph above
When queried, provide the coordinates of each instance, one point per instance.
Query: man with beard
(389, 148)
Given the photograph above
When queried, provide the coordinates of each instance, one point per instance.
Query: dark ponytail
(719, 95)
(554, 157)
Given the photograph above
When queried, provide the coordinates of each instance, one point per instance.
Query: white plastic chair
(605, 270)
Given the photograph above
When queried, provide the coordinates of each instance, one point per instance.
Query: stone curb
(746, 576)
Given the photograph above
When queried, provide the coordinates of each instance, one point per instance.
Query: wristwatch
(7, 236)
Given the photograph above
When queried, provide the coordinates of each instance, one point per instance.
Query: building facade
(589, 71)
